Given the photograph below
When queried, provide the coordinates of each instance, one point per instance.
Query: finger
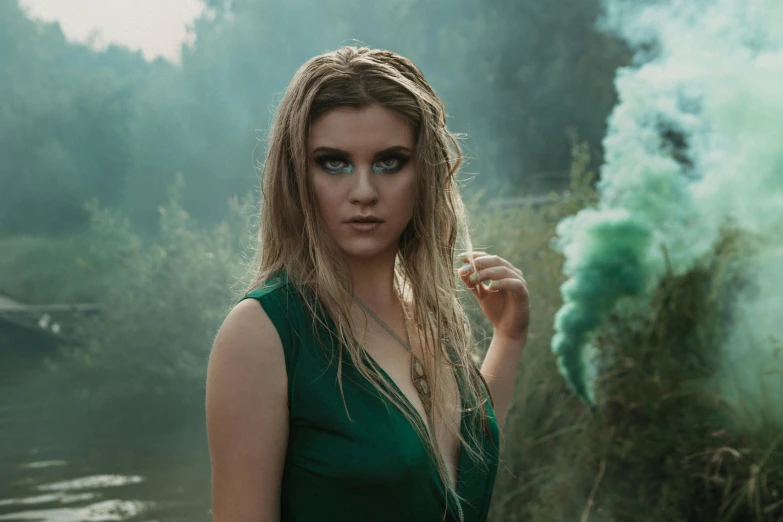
(472, 284)
(468, 264)
(484, 260)
(474, 288)
(480, 287)
(491, 273)
(486, 275)
(492, 260)
(466, 255)
(511, 284)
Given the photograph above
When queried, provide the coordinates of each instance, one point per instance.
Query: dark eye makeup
(327, 162)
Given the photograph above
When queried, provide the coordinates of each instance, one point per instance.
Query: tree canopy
(80, 123)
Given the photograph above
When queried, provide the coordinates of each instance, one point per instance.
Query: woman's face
(361, 162)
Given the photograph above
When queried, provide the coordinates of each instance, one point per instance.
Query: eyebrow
(338, 152)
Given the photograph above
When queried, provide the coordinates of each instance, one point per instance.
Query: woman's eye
(389, 163)
(333, 164)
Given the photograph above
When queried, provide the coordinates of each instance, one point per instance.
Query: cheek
(327, 197)
(409, 189)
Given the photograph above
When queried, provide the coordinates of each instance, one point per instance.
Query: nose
(363, 190)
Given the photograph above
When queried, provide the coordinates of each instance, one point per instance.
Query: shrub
(162, 300)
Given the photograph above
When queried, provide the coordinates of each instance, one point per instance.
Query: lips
(365, 219)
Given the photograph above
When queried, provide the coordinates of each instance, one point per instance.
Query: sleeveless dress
(372, 467)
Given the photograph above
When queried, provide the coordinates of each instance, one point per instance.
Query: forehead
(370, 128)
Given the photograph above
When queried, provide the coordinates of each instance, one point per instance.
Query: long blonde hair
(292, 237)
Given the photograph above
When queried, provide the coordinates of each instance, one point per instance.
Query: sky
(156, 27)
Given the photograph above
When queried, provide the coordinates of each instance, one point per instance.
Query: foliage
(532, 70)
(162, 300)
(661, 444)
(80, 124)
(64, 120)
(41, 270)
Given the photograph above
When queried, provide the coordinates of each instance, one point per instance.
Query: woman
(343, 386)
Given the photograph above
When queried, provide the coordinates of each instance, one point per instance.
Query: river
(67, 458)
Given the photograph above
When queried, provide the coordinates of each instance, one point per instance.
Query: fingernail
(465, 268)
(473, 276)
(494, 283)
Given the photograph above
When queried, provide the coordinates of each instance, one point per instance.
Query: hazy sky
(157, 27)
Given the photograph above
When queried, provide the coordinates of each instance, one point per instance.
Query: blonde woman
(343, 385)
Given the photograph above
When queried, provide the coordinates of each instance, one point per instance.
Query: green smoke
(606, 255)
(695, 140)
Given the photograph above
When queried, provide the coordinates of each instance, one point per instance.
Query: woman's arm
(500, 369)
(247, 416)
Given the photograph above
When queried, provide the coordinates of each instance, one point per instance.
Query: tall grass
(662, 444)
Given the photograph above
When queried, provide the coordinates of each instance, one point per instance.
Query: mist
(693, 145)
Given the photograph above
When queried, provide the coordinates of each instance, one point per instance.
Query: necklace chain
(418, 374)
(407, 335)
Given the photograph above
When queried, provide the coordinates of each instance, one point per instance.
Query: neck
(373, 284)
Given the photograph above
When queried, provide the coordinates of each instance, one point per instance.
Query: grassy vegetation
(41, 270)
(161, 300)
(661, 445)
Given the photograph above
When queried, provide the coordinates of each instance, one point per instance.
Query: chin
(367, 249)
(366, 253)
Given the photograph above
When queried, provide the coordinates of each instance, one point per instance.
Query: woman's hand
(504, 300)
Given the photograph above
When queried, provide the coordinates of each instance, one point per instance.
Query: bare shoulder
(247, 415)
(246, 320)
(248, 337)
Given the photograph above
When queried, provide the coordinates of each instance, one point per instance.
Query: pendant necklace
(417, 369)
(419, 379)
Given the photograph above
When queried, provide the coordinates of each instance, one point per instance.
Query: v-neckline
(391, 381)
(416, 411)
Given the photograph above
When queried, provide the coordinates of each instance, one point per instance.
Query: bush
(162, 300)
(43, 270)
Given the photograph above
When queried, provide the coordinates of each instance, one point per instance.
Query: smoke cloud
(695, 141)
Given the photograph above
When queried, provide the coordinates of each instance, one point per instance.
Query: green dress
(373, 469)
